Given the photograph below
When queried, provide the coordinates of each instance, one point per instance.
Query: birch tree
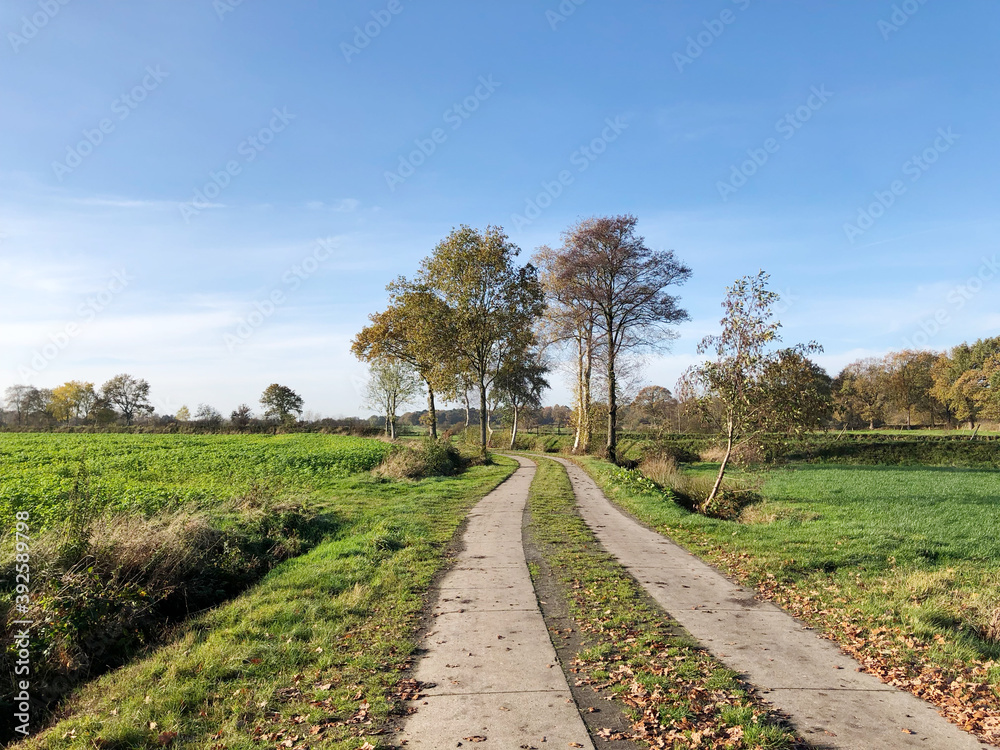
(739, 391)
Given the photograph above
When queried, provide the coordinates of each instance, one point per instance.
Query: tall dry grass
(692, 490)
(104, 587)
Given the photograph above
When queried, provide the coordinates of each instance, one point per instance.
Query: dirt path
(830, 702)
(495, 674)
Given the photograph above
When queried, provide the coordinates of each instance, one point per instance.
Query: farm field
(332, 563)
(898, 564)
(147, 473)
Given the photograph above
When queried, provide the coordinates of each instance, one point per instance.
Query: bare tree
(129, 395)
(606, 267)
(520, 385)
(240, 417)
(18, 398)
(570, 323)
(391, 384)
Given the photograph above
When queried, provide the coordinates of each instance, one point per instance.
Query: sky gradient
(213, 195)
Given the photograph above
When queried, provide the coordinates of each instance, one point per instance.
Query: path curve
(488, 653)
(830, 703)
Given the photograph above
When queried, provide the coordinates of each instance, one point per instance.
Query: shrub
(107, 586)
(430, 459)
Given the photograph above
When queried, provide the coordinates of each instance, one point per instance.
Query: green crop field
(147, 473)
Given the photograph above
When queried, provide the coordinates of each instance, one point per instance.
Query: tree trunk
(432, 412)
(467, 409)
(513, 429)
(722, 470)
(612, 445)
(588, 367)
(482, 416)
(580, 411)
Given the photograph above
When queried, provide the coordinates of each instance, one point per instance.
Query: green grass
(312, 653)
(900, 564)
(146, 473)
(670, 687)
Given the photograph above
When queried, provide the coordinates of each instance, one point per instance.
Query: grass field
(174, 524)
(312, 654)
(145, 473)
(899, 564)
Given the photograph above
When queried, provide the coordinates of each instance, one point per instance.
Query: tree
(909, 381)
(519, 386)
(72, 400)
(984, 388)
(183, 414)
(800, 391)
(208, 416)
(653, 407)
(129, 395)
(606, 266)
(416, 329)
(281, 403)
(241, 417)
(861, 392)
(391, 384)
(959, 376)
(570, 322)
(494, 304)
(746, 401)
(18, 399)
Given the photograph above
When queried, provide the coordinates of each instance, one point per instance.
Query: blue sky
(213, 195)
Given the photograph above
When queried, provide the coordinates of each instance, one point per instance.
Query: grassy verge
(310, 656)
(675, 693)
(897, 564)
